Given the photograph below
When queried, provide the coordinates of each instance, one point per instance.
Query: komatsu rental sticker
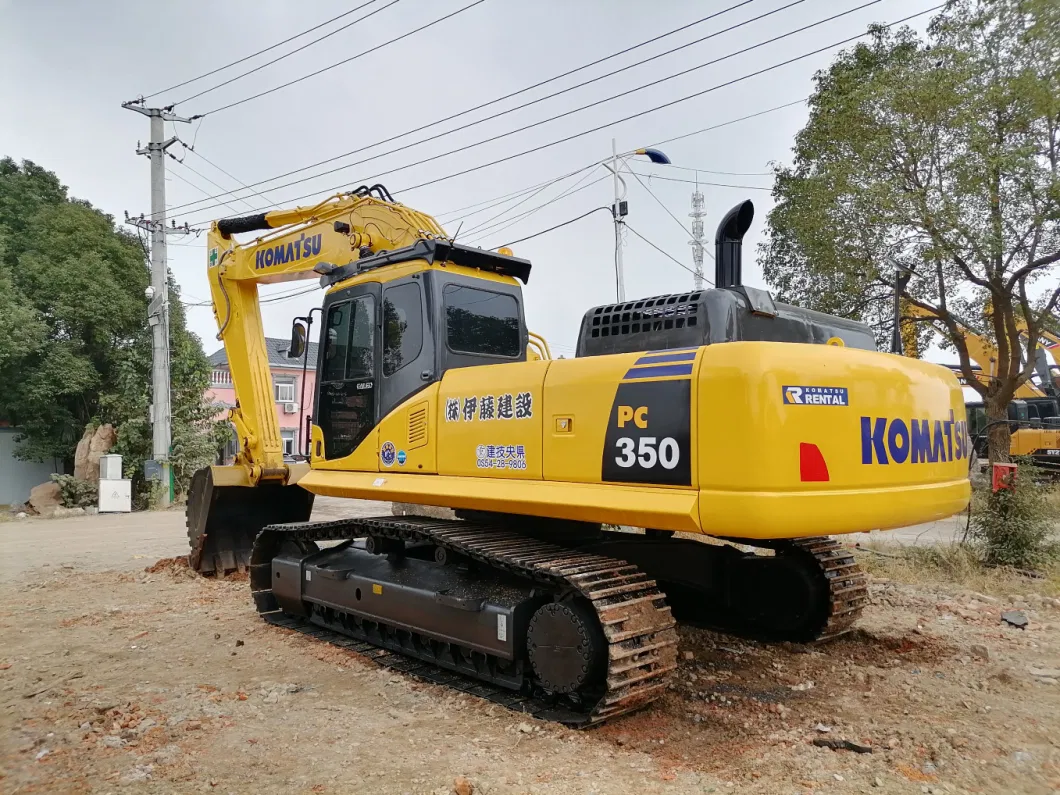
(816, 396)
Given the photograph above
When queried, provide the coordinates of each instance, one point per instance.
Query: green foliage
(75, 347)
(942, 156)
(1014, 527)
(77, 493)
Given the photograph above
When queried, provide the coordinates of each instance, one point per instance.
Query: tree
(75, 348)
(941, 157)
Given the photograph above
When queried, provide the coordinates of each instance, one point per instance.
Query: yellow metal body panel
(579, 394)
(588, 502)
(769, 440)
(1028, 441)
(413, 429)
(488, 424)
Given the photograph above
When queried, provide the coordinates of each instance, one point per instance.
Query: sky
(66, 67)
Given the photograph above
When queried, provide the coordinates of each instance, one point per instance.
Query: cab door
(347, 396)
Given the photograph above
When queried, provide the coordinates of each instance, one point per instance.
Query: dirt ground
(117, 679)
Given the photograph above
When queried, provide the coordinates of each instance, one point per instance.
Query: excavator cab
(383, 341)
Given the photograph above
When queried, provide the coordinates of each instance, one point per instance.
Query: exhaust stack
(728, 245)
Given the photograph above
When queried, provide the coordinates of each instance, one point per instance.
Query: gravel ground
(156, 680)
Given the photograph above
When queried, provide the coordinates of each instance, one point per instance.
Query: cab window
(348, 345)
(402, 326)
(481, 322)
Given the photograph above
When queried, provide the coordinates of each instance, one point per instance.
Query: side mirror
(297, 348)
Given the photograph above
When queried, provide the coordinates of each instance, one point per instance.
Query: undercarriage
(562, 620)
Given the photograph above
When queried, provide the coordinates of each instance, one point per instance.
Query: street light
(620, 208)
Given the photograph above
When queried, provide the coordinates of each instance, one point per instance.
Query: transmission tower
(697, 234)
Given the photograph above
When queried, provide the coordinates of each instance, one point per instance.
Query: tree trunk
(999, 435)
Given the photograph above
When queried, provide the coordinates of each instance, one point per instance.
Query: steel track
(631, 610)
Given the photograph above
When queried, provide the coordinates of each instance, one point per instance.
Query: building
(286, 385)
(17, 477)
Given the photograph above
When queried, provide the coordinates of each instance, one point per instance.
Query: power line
(260, 52)
(554, 228)
(509, 223)
(665, 254)
(203, 176)
(488, 223)
(724, 173)
(342, 62)
(270, 300)
(191, 148)
(659, 201)
(773, 109)
(498, 200)
(701, 182)
(538, 84)
(614, 122)
(288, 54)
(199, 188)
(599, 102)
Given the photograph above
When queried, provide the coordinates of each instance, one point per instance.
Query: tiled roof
(277, 349)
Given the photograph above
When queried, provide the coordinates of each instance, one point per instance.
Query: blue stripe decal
(658, 371)
(666, 357)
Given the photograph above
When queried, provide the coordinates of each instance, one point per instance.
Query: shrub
(1013, 527)
(77, 493)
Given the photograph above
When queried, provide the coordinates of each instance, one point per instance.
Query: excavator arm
(224, 514)
(981, 350)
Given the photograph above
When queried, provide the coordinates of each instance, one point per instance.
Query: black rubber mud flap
(224, 520)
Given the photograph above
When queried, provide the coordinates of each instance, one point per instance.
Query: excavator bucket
(225, 514)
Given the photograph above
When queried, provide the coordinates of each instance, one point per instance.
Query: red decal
(811, 463)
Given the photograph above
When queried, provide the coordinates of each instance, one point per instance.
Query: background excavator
(1035, 413)
(718, 413)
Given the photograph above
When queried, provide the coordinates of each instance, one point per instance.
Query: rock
(877, 782)
(929, 769)
(822, 728)
(111, 741)
(43, 752)
(688, 655)
(802, 686)
(525, 728)
(192, 725)
(893, 743)
(45, 498)
(21, 515)
(461, 786)
(137, 774)
(1048, 673)
(842, 745)
(980, 651)
(62, 513)
(1015, 618)
(91, 510)
(93, 444)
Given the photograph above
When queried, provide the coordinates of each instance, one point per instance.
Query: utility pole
(158, 292)
(697, 235)
(619, 210)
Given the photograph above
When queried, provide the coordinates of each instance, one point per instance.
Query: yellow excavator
(1035, 413)
(717, 416)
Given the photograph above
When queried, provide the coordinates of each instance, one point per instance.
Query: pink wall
(221, 391)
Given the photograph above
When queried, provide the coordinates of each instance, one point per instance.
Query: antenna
(696, 242)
